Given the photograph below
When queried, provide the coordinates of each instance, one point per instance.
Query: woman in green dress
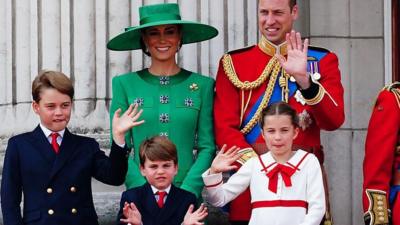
(176, 103)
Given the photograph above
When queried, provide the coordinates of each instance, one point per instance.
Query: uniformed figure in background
(52, 168)
(281, 67)
(382, 160)
(176, 103)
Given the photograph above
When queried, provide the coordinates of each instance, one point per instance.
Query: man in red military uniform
(382, 160)
(280, 68)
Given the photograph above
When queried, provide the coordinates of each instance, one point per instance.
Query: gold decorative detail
(194, 87)
(395, 89)
(311, 58)
(264, 102)
(320, 95)
(317, 99)
(328, 219)
(243, 106)
(283, 83)
(378, 207)
(246, 154)
(270, 48)
(246, 85)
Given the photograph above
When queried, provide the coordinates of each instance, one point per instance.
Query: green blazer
(179, 107)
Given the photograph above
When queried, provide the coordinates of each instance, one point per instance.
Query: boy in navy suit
(53, 168)
(159, 202)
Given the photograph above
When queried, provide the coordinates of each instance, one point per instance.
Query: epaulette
(246, 154)
(395, 85)
(316, 53)
(317, 48)
(240, 49)
(395, 89)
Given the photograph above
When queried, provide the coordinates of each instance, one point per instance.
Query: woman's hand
(195, 218)
(121, 124)
(224, 159)
(131, 214)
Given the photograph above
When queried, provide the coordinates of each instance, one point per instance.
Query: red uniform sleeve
(329, 113)
(227, 112)
(382, 135)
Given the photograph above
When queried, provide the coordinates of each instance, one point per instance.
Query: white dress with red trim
(281, 194)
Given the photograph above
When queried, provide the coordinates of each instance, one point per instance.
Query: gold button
(49, 190)
(73, 189)
(380, 203)
(74, 211)
(380, 208)
(379, 197)
(381, 214)
(50, 212)
(381, 218)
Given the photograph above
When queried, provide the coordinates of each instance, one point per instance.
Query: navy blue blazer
(173, 212)
(56, 187)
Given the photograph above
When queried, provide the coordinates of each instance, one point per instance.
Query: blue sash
(276, 96)
(393, 193)
(314, 56)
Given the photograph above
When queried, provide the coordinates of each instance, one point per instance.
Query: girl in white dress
(286, 186)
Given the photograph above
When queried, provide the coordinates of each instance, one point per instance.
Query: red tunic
(381, 162)
(249, 63)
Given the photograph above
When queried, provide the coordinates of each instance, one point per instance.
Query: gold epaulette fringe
(271, 70)
(264, 102)
(395, 89)
(246, 85)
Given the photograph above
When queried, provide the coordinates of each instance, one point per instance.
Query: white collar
(295, 160)
(155, 190)
(47, 132)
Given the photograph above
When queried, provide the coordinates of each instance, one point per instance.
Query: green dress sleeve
(120, 100)
(193, 181)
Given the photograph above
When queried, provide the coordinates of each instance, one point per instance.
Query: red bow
(285, 171)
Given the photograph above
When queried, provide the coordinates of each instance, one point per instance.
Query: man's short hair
(51, 79)
(157, 148)
(292, 3)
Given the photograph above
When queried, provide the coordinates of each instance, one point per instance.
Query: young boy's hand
(194, 218)
(224, 159)
(131, 214)
(121, 124)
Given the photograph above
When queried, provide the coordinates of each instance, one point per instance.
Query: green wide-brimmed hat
(161, 14)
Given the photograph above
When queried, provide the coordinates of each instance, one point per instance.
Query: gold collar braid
(247, 85)
(270, 48)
